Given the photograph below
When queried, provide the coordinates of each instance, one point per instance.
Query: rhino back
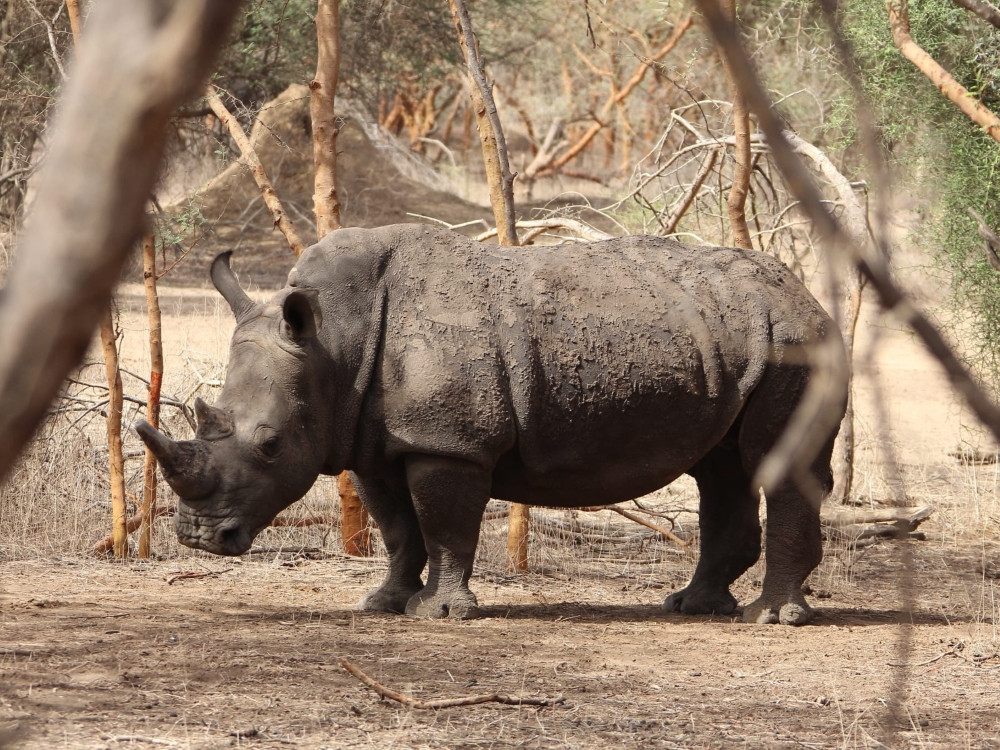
(613, 366)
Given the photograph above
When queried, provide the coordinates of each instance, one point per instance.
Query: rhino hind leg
(449, 496)
(390, 506)
(793, 543)
(730, 532)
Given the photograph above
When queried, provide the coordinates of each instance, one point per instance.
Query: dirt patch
(96, 656)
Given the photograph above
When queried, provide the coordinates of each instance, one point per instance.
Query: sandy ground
(903, 653)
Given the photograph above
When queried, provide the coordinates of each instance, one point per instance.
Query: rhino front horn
(229, 287)
(185, 464)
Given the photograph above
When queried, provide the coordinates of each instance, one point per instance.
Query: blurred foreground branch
(139, 63)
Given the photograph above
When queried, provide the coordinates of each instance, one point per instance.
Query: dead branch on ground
(433, 705)
(104, 546)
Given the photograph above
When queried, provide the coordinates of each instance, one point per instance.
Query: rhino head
(260, 448)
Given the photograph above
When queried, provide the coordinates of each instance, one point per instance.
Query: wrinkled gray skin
(441, 372)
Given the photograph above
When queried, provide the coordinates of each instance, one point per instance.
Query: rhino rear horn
(229, 287)
(213, 423)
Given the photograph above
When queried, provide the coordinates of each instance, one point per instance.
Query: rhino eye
(268, 443)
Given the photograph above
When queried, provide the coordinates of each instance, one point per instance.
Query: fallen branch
(472, 700)
(643, 522)
(174, 577)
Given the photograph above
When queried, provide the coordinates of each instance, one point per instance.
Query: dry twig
(472, 700)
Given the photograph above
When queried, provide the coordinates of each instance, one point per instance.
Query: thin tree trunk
(116, 458)
(899, 22)
(323, 90)
(75, 22)
(355, 530)
(737, 200)
(498, 174)
(355, 526)
(148, 509)
(250, 158)
(501, 184)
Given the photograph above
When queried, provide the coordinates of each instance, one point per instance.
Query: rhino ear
(302, 316)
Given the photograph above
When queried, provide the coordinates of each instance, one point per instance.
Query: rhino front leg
(449, 496)
(391, 507)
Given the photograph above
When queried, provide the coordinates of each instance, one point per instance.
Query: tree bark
(250, 158)
(148, 509)
(75, 20)
(323, 91)
(92, 191)
(899, 21)
(737, 200)
(354, 521)
(498, 174)
(983, 9)
(116, 458)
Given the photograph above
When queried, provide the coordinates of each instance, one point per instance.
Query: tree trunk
(116, 458)
(737, 200)
(354, 522)
(323, 91)
(148, 509)
(855, 224)
(355, 530)
(498, 174)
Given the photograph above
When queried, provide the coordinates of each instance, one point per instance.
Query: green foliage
(943, 148)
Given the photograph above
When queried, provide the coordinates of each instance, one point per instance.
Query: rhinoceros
(441, 372)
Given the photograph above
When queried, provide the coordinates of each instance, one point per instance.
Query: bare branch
(955, 92)
(250, 158)
(982, 9)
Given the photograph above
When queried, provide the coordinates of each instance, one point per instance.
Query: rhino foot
(763, 612)
(694, 601)
(458, 604)
(388, 599)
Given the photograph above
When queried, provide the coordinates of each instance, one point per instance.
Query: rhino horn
(213, 423)
(185, 464)
(229, 287)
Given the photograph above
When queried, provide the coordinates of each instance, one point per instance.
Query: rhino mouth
(229, 538)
